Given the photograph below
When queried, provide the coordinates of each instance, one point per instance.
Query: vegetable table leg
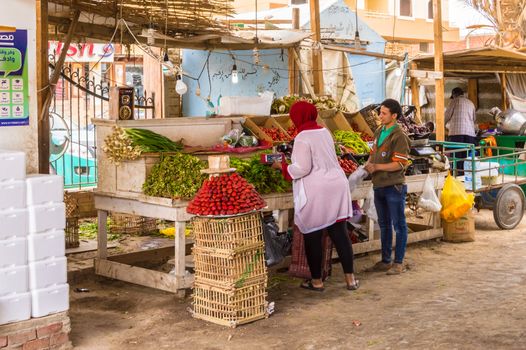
(180, 253)
(102, 234)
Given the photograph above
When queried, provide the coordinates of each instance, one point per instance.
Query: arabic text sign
(10, 60)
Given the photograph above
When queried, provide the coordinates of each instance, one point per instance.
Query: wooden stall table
(167, 209)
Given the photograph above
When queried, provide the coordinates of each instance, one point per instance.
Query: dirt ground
(455, 296)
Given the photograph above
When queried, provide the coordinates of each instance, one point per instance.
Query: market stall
(120, 190)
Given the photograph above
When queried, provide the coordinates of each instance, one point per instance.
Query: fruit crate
(229, 234)
(255, 125)
(360, 124)
(334, 120)
(230, 270)
(230, 308)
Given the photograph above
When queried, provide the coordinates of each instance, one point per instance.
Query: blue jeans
(390, 206)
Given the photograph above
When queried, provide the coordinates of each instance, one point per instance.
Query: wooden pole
(317, 65)
(293, 67)
(304, 75)
(439, 67)
(503, 91)
(415, 98)
(42, 83)
(473, 94)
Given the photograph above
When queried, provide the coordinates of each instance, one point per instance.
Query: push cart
(496, 175)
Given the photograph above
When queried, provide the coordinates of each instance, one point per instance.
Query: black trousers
(339, 237)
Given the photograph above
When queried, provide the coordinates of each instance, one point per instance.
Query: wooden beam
(295, 18)
(503, 91)
(439, 67)
(473, 93)
(294, 81)
(362, 52)
(317, 62)
(415, 98)
(304, 75)
(42, 84)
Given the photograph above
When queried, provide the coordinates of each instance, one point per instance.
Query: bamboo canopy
(173, 18)
(481, 60)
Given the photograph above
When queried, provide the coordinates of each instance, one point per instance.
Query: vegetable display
(263, 177)
(348, 166)
(292, 131)
(176, 176)
(128, 144)
(276, 134)
(227, 194)
(352, 140)
(282, 105)
(408, 124)
(363, 135)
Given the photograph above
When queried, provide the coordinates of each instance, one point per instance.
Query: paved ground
(456, 296)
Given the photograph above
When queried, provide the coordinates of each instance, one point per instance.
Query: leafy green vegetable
(151, 142)
(263, 177)
(176, 176)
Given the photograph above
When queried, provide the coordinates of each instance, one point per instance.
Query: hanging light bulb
(266, 68)
(198, 90)
(166, 60)
(235, 78)
(180, 86)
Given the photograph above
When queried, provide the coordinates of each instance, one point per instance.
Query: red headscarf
(304, 115)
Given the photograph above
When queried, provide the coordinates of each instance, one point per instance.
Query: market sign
(85, 52)
(14, 78)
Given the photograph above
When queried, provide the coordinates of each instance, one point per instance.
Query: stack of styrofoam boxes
(15, 299)
(46, 245)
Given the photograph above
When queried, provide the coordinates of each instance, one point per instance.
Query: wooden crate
(229, 234)
(283, 120)
(255, 125)
(358, 120)
(230, 308)
(334, 120)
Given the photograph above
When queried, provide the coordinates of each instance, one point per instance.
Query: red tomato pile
(275, 134)
(227, 194)
(292, 131)
(363, 135)
(348, 166)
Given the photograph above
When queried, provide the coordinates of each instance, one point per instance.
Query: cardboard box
(462, 230)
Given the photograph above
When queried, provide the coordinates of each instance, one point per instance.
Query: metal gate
(78, 98)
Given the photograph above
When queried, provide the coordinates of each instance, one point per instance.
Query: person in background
(387, 164)
(461, 117)
(322, 199)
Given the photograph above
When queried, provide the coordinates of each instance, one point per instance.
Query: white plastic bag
(428, 199)
(356, 178)
(368, 206)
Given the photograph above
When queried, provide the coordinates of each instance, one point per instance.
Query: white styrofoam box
(12, 194)
(46, 245)
(45, 273)
(13, 251)
(50, 300)
(14, 280)
(45, 217)
(14, 222)
(44, 189)
(12, 165)
(15, 307)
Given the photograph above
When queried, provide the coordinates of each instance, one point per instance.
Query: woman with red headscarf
(322, 199)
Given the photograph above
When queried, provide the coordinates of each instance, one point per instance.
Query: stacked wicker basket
(230, 273)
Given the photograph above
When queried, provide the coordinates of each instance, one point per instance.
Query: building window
(424, 47)
(430, 9)
(406, 8)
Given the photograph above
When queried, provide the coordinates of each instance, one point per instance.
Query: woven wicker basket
(72, 221)
(227, 308)
(132, 224)
(299, 266)
(230, 271)
(229, 234)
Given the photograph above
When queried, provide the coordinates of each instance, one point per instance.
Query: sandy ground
(455, 296)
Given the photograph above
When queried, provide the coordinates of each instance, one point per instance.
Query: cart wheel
(509, 207)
